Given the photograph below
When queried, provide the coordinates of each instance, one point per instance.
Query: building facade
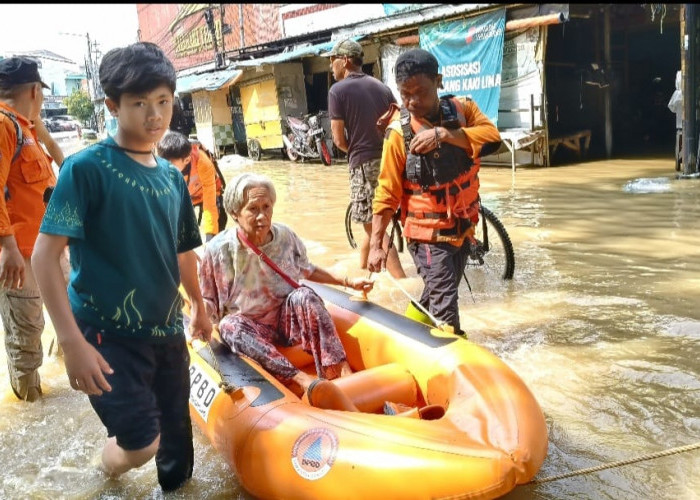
(574, 79)
(61, 74)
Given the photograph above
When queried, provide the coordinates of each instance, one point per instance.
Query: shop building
(576, 81)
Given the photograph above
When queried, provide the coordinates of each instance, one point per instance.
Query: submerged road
(601, 322)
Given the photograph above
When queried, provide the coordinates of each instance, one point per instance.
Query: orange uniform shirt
(201, 184)
(26, 180)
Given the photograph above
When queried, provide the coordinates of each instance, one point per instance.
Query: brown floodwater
(599, 322)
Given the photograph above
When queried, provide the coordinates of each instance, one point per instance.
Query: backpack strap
(18, 132)
(215, 163)
(405, 119)
(218, 172)
(186, 172)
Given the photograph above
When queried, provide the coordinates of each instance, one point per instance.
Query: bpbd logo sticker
(314, 452)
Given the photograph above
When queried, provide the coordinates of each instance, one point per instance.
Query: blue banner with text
(470, 56)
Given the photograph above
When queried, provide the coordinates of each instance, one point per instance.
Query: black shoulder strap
(218, 172)
(405, 118)
(18, 132)
(186, 172)
(215, 163)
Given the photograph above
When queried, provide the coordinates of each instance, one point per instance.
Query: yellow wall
(261, 113)
(221, 113)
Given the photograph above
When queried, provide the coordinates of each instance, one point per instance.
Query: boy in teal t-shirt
(132, 231)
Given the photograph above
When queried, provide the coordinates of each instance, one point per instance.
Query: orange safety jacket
(22, 204)
(446, 212)
(201, 177)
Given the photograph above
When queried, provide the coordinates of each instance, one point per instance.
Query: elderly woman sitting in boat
(248, 279)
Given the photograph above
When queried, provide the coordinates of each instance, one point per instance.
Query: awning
(207, 81)
(186, 11)
(297, 53)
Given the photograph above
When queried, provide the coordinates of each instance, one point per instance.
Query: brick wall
(190, 43)
(308, 10)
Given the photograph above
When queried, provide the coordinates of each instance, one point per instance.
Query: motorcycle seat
(297, 124)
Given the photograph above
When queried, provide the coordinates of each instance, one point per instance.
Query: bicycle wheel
(349, 226)
(492, 258)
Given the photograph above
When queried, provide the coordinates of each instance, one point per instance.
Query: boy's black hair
(174, 146)
(137, 68)
(415, 62)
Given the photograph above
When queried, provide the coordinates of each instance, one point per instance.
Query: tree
(80, 105)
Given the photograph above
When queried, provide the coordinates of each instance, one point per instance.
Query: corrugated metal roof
(407, 19)
(297, 53)
(207, 81)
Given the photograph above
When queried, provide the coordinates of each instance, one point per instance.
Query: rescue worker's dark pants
(440, 265)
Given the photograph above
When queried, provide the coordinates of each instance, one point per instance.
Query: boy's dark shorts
(150, 396)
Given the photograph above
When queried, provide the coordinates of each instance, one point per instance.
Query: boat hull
(492, 436)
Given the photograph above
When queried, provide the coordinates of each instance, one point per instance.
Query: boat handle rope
(610, 465)
(227, 387)
(415, 302)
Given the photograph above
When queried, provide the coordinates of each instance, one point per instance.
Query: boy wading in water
(131, 228)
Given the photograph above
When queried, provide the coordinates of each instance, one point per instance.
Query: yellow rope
(650, 456)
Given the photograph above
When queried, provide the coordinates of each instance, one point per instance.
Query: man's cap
(19, 70)
(414, 62)
(348, 48)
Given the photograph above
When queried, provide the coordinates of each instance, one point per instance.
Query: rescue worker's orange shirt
(479, 130)
(202, 187)
(26, 180)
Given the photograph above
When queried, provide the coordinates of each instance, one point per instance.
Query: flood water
(599, 322)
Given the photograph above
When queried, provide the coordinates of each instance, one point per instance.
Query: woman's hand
(361, 284)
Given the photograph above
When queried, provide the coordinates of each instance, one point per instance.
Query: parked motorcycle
(306, 138)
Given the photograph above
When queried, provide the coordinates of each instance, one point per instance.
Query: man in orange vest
(429, 168)
(25, 174)
(203, 181)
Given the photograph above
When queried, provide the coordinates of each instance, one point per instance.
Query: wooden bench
(577, 142)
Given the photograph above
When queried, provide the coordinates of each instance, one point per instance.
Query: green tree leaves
(79, 105)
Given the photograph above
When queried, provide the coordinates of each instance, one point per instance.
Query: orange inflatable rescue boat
(490, 437)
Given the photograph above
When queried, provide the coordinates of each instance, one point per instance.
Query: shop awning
(297, 53)
(210, 81)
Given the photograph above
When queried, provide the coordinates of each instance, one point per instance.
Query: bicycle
(490, 256)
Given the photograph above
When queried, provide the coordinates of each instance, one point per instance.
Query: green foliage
(79, 105)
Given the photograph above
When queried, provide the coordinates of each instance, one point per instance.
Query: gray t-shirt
(359, 100)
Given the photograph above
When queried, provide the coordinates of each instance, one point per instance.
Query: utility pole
(219, 56)
(209, 18)
(97, 53)
(90, 69)
(223, 25)
(240, 23)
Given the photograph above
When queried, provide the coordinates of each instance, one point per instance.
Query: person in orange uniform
(429, 167)
(212, 215)
(203, 183)
(23, 179)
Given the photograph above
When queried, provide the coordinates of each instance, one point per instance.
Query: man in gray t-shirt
(355, 103)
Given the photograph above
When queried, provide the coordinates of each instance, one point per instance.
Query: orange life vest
(443, 212)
